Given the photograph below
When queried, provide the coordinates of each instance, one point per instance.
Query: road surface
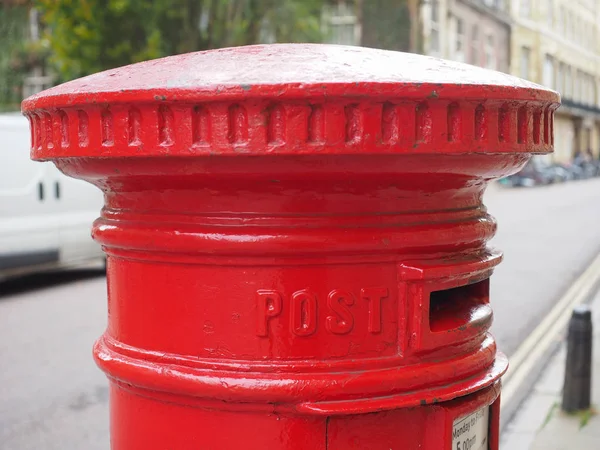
(548, 235)
(53, 397)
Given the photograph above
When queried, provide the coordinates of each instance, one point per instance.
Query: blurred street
(54, 397)
(549, 235)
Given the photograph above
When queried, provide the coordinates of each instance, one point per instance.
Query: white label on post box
(471, 432)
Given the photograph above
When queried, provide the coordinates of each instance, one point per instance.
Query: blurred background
(550, 42)
(51, 394)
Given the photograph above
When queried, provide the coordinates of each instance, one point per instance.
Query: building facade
(555, 43)
(473, 31)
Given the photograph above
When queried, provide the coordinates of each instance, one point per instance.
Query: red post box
(296, 243)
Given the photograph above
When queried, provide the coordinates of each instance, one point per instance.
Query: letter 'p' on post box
(296, 243)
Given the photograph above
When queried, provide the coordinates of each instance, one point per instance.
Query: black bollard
(578, 370)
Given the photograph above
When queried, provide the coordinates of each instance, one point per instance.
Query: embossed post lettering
(374, 295)
(268, 305)
(303, 319)
(338, 302)
(303, 306)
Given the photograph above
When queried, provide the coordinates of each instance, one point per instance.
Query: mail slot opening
(454, 308)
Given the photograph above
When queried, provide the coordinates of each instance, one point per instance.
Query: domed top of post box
(291, 99)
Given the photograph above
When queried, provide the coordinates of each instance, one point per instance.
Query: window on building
(524, 66)
(568, 83)
(548, 72)
(525, 8)
(560, 78)
(577, 86)
(490, 52)
(500, 5)
(589, 31)
(342, 25)
(589, 97)
(590, 34)
(562, 22)
(434, 38)
(459, 43)
(550, 15)
(475, 58)
(570, 25)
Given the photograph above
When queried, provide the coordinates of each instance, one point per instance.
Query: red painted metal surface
(296, 238)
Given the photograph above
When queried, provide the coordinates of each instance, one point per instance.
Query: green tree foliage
(88, 36)
(13, 27)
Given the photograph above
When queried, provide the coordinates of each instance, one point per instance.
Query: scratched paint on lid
(255, 70)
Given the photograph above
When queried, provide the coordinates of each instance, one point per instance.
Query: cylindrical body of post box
(296, 243)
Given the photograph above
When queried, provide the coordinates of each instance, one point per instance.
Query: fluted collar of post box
(292, 99)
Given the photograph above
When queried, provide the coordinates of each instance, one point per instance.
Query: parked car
(573, 171)
(557, 174)
(588, 165)
(534, 173)
(45, 216)
(538, 171)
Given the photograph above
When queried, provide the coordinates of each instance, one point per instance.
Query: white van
(45, 216)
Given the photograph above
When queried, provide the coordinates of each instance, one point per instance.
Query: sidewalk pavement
(540, 424)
